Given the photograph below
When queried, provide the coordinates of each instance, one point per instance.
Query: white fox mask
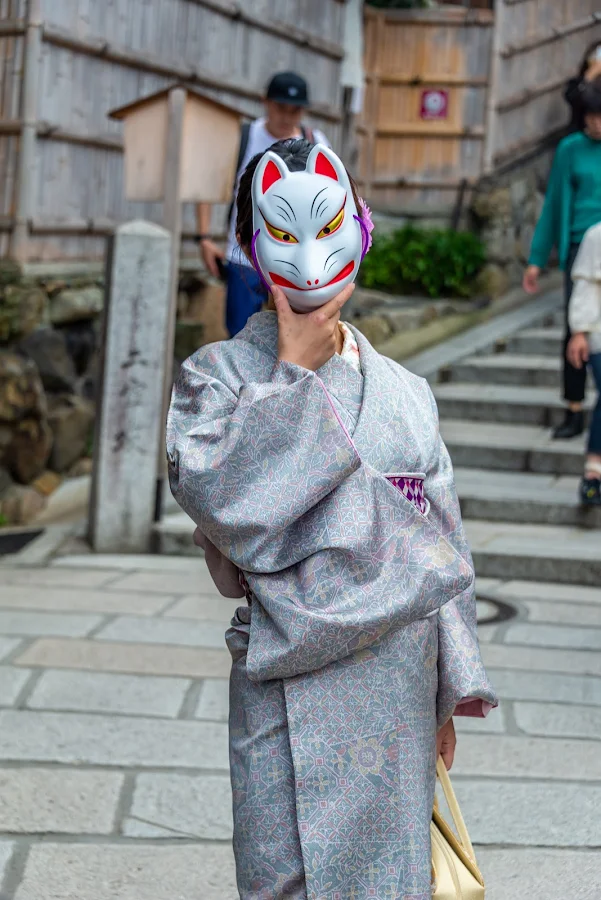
(307, 237)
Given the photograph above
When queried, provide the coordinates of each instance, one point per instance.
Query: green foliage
(3, 520)
(431, 262)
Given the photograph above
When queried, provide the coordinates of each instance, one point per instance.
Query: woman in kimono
(315, 472)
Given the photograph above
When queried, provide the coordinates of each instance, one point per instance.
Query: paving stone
(195, 581)
(488, 585)
(563, 613)
(214, 701)
(6, 851)
(494, 723)
(101, 692)
(36, 800)
(210, 608)
(124, 562)
(545, 591)
(577, 662)
(537, 874)
(47, 577)
(40, 623)
(542, 814)
(73, 599)
(562, 637)
(112, 740)
(136, 659)
(183, 805)
(7, 645)
(11, 682)
(175, 632)
(559, 720)
(546, 686)
(508, 756)
(128, 872)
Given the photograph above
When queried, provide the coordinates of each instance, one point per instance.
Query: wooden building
(452, 94)
(65, 63)
(456, 92)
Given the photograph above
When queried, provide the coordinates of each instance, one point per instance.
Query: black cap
(288, 87)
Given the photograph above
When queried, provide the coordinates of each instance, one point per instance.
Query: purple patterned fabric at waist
(412, 487)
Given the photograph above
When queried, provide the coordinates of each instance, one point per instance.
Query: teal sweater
(573, 199)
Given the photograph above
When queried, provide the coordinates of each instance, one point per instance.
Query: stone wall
(504, 210)
(50, 337)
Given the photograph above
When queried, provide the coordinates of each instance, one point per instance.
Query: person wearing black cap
(286, 98)
(572, 206)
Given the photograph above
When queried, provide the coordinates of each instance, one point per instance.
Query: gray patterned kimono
(360, 633)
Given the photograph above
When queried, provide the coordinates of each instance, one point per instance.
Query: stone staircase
(498, 398)
(518, 488)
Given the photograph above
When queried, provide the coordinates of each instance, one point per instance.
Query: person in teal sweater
(572, 205)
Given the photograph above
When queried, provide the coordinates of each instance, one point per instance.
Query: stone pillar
(138, 272)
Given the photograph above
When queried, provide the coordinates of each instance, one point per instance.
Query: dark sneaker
(572, 426)
(590, 492)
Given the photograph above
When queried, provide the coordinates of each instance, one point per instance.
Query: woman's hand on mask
(308, 340)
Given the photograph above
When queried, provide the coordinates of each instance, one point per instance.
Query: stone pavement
(113, 744)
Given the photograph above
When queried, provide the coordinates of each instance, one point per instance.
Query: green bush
(430, 262)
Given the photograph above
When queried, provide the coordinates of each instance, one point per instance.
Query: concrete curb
(412, 348)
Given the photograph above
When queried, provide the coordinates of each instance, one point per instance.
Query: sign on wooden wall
(434, 105)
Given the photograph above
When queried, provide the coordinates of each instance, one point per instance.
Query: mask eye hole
(332, 226)
(283, 236)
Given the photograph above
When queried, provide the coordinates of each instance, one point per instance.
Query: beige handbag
(455, 872)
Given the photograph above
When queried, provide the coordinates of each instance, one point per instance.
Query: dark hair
(295, 153)
(591, 97)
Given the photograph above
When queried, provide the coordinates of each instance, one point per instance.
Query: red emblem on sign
(435, 104)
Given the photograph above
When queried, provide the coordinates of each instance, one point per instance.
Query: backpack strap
(244, 139)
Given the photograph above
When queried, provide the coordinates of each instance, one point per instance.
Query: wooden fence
(501, 76)
(538, 45)
(61, 187)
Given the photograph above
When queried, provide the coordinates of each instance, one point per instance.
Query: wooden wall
(96, 55)
(539, 44)
(504, 71)
(11, 66)
(407, 161)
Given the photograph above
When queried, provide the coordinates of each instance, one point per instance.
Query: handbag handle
(449, 793)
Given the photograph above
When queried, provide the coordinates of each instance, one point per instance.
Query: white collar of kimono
(307, 235)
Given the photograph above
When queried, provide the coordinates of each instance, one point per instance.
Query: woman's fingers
(280, 300)
(332, 307)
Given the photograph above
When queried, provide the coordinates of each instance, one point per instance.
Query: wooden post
(172, 220)
(492, 95)
(138, 277)
(27, 146)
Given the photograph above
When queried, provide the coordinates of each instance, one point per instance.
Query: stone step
(172, 536)
(553, 553)
(523, 497)
(515, 448)
(500, 403)
(508, 368)
(537, 341)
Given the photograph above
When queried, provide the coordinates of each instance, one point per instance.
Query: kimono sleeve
(463, 686)
(245, 463)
